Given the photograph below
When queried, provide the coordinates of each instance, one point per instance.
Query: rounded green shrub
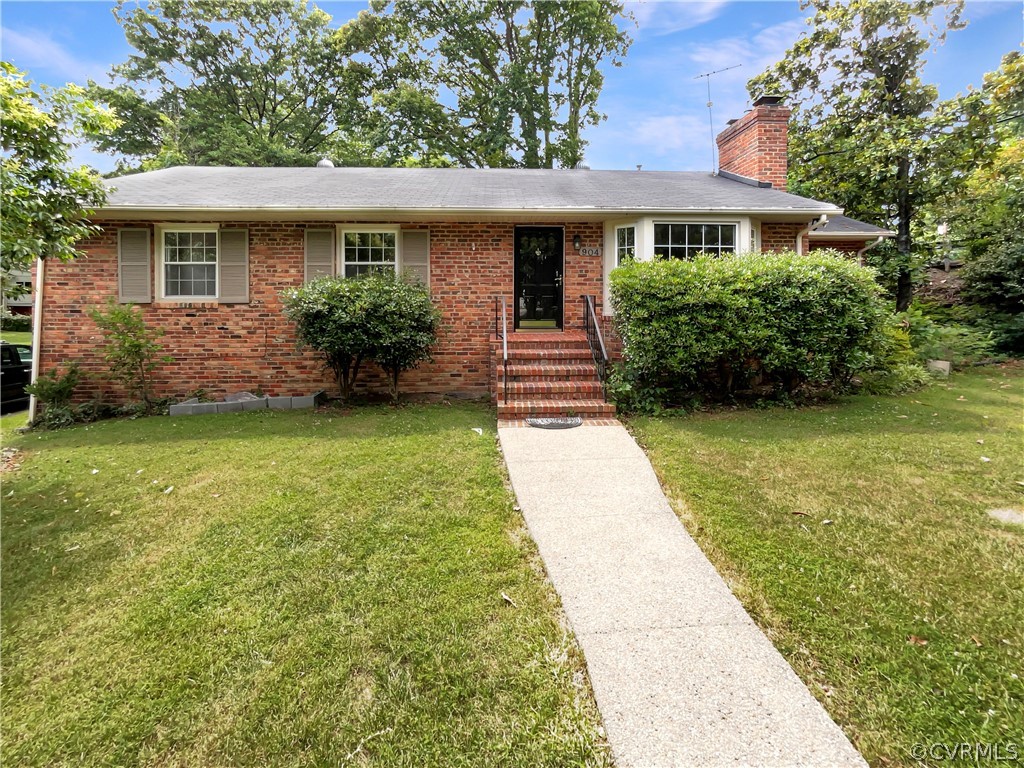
(716, 325)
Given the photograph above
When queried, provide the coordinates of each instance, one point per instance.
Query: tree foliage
(132, 348)
(867, 132)
(716, 325)
(231, 82)
(46, 201)
(378, 317)
(496, 83)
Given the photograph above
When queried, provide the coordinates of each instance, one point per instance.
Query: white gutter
(868, 247)
(821, 221)
(37, 332)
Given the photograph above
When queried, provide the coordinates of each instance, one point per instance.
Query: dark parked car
(15, 374)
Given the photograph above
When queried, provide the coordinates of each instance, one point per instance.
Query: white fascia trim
(474, 211)
(183, 226)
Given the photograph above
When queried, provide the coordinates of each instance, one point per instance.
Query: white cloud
(661, 17)
(755, 52)
(34, 50)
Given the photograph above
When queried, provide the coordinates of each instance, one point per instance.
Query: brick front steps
(549, 374)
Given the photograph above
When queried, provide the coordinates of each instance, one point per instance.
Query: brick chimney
(755, 145)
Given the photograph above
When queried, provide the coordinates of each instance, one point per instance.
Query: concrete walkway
(683, 676)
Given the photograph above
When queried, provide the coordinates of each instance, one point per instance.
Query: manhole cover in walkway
(557, 422)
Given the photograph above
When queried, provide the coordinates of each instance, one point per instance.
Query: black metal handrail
(595, 340)
(502, 333)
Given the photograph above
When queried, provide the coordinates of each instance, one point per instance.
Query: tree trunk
(904, 244)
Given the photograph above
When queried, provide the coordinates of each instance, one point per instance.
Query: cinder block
(279, 403)
(229, 407)
(254, 405)
(200, 408)
(305, 401)
(181, 409)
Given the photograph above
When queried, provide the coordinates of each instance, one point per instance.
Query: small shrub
(55, 390)
(995, 278)
(379, 317)
(132, 349)
(14, 323)
(55, 417)
(958, 343)
(899, 380)
(723, 324)
(631, 394)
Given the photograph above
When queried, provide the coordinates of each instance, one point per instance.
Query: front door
(539, 265)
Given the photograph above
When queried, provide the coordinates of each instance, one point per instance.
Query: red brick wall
(755, 145)
(779, 237)
(229, 347)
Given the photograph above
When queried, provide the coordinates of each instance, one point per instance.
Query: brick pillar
(755, 145)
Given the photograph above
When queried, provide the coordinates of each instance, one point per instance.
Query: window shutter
(416, 255)
(134, 267)
(233, 266)
(319, 253)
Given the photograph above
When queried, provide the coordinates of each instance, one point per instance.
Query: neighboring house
(22, 303)
(206, 252)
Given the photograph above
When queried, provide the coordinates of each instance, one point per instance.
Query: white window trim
(161, 229)
(339, 243)
(615, 241)
(741, 240)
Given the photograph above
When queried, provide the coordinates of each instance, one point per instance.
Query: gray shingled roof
(844, 226)
(445, 189)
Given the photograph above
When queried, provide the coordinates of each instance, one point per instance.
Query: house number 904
(590, 251)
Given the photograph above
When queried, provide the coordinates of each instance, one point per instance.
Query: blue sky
(657, 114)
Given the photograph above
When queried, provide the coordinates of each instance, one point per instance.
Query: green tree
(232, 82)
(867, 132)
(404, 324)
(46, 202)
(132, 348)
(494, 83)
(379, 317)
(330, 317)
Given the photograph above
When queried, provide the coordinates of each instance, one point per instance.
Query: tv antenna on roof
(711, 122)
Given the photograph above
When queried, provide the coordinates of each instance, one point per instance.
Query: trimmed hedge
(722, 324)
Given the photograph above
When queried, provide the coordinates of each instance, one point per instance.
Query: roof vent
(324, 163)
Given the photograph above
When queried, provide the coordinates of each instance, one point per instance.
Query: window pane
(620, 237)
(661, 251)
(170, 239)
(364, 239)
(694, 234)
(728, 237)
(661, 234)
(711, 236)
(350, 239)
(692, 251)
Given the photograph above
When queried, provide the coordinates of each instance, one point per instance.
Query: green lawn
(16, 337)
(905, 614)
(281, 588)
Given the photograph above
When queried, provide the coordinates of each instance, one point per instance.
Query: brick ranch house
(206, 253)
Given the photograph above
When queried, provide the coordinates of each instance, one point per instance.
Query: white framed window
(686, 240)
(188, 262)
(368, 250)
(625, 244)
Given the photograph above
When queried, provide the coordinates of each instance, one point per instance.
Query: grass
(16, 337)
(317, 589)
(904, 614)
